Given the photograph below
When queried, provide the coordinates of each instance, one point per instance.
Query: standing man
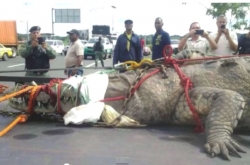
(37, 53)
(193, 41)
(98, 50)
(227, 42)
(244, 44)
(74, 55)
(128, 46)
(160, 40)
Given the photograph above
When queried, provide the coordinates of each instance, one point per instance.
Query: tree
(238, 11)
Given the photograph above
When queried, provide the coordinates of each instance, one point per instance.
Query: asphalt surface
(18, 64)
(41, 142)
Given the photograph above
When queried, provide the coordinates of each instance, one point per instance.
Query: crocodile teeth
(39, 104)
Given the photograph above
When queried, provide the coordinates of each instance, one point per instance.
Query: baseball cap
(128, 21)
(73, 31)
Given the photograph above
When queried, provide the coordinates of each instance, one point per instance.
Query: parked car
(6, 53)
(84, 42)
(65, 50)
(67, 47)
(88, 49)
(174, 44)
(57, 45)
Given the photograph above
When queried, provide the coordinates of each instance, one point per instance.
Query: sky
(177, 15)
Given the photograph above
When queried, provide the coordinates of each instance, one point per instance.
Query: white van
(57, 45)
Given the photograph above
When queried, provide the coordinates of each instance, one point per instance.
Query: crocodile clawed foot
(224, 147)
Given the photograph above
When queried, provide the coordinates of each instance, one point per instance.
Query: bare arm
(217, 38)
(232, 40)
(211, 42)
(183, 41)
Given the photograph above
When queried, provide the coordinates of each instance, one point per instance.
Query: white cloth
(223, 47)
(93, 87)
(89, 113)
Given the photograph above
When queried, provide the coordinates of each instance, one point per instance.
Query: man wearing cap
(74, 55)
(128, 46)
(37, 53)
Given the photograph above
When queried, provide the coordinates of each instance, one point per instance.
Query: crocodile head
(44, 102)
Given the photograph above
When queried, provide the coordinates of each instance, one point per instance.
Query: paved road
(18, 64)
(51, 143)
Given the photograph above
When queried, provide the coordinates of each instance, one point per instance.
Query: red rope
(113, 99)
(136, 87)
(143, 79)
(59, 109)
(186, 82)
(47, 89)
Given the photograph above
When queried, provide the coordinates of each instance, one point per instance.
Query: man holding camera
(37, 53)
(193, 40)
(226, 40)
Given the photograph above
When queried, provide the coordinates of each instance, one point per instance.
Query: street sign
(67, 16)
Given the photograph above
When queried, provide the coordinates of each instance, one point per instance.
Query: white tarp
(93, 88)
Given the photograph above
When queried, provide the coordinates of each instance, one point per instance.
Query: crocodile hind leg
(223, 109)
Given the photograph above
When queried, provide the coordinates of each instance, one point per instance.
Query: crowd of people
(221, 43)
(129, 47)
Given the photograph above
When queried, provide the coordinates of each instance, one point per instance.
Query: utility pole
(28, 37)
(27, 27)
(113, 18)
(52, 16)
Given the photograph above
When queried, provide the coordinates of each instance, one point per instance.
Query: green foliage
(64, 39)
(237, 10)
(150, 46)
(21, 37)
(175, 37)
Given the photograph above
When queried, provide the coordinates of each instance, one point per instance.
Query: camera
(199, 32)
(40, 40)
(222, 26)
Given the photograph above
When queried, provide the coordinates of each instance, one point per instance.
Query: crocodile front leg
(223, 109)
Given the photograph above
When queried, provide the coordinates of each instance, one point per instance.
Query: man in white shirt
(197, 41)
(227, 41)
(75, 54)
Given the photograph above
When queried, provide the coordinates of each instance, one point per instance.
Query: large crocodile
(220, 95)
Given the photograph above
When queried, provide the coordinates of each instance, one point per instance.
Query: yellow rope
(135, 65)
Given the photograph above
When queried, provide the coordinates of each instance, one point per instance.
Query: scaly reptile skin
(220, 94)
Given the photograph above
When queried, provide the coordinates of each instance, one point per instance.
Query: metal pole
(27, 28)
(90, 31)
(113, 18)
(52, 21)
(113, 22)
(28, 38)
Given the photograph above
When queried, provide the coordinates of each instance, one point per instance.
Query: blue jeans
(78, 72)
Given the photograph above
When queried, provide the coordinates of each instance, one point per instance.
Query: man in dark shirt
(98, 50)
(160, 40)
(244, 44)
(128, 46)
